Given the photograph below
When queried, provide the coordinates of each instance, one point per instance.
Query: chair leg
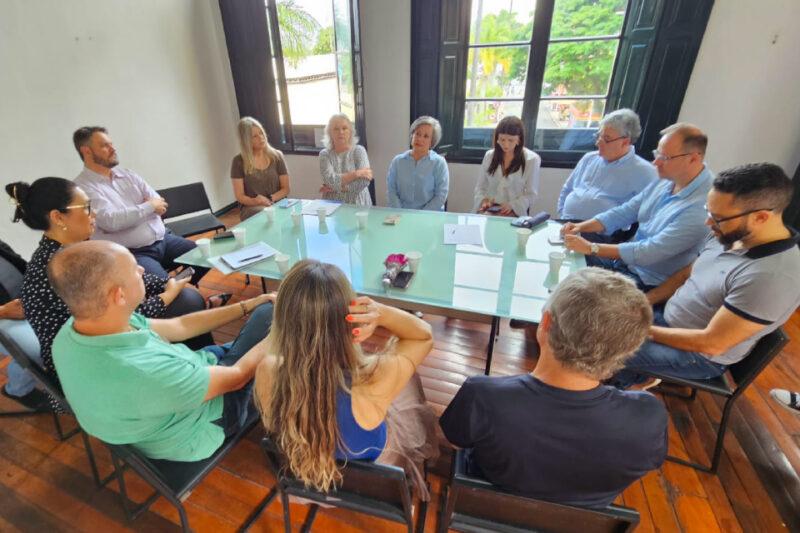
(258, 510)
(100, 483)
(247, 279)
(422, 513)
(723, 427)
(287, 519)
(61, 435)
(263, 285)
(123, 493)
(312, 514)
(446, 511)
(184, 519)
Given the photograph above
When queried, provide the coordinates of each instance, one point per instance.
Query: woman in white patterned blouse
(344, 164)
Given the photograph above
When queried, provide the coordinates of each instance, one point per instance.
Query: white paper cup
(269, 213)
(413, 260)
(522, 237)
(282, 260)
(239, 234)
(361, 217)
(321, 214)
(556, 259)
(297, 218)
(204, 245)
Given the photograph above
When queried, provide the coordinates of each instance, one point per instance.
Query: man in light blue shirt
(610, 176)
(419, 178)
(670, 213)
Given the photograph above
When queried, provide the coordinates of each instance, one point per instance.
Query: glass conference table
(493, 280)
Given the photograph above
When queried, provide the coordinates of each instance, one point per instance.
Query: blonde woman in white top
(344, 164)
(509, 180)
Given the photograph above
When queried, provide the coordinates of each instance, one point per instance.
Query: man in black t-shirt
(557, 434)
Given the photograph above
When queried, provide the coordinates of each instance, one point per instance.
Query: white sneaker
(787, 399)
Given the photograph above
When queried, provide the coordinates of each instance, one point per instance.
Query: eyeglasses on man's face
(658, 156)
(717, 221)
(606, 140)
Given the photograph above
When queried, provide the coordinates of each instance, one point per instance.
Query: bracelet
(245, 312)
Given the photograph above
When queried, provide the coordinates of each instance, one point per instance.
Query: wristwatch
(270, 198)
(594, 248)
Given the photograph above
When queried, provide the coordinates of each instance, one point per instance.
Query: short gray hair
(327, 142)
(430, 121)
(81, 275)
(625, 121)
(599, 318)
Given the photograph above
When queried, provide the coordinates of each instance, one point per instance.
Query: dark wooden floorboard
(45, 484)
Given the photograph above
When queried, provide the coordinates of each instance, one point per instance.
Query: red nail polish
(356, 332)
(349, 318)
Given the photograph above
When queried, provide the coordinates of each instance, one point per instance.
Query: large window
(560, 65)
(295, 63)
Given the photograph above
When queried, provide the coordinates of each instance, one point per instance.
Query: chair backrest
(764, 351)
(24, 359)
(185, 199)
(362, 482)
(479, 504)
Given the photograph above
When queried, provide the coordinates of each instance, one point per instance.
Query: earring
(63, 227)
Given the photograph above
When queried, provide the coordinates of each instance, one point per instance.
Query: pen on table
(249, 258)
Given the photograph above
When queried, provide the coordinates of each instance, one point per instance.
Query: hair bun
(18, 191)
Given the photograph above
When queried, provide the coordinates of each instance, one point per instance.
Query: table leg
(490, 348)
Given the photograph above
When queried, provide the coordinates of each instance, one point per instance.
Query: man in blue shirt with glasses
(670, 213)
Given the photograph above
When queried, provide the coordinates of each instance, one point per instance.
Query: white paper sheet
(462, 234)
(311, 207)
(242, 257)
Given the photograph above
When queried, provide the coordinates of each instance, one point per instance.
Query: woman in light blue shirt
(419, 178)
(509, 175)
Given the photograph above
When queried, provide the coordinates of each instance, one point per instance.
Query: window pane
(567, 124)
(344, 58)
(309, 61)
(497, 72)
(586, 18)
(488, 114)
(501, 21)
(579, 68)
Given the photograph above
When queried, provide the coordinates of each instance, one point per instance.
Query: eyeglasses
(658, 156)
(718, 221)
(598, 138)
(87, 207)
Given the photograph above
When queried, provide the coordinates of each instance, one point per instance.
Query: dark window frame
(657, 50)
(251, 39)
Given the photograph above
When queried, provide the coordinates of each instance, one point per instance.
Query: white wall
(156, 73)
(744, 88)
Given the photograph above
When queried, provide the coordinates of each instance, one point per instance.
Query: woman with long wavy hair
(322, 398)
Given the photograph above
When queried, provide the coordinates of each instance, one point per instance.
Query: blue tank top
(360, 443)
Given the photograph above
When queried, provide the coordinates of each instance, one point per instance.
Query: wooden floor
(45, 484)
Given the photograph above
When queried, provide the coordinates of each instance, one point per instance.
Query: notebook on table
(248, 255)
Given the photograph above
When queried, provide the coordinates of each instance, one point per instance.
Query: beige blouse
(264, 182)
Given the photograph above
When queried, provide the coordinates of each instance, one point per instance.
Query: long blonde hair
(315, 345)
(246, 125)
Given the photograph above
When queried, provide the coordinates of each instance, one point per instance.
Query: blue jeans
(20, 381)
(662, 359)
(236, 407)
(617, 265)
(159, 257)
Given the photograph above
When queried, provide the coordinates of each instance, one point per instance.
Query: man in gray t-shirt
(744, 284)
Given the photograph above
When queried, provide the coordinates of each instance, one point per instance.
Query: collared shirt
(46, 312)
(597, 185)
(519, 188)
(135, 388)
(121, 206)
(761, 285)
(671, 227)
(419, 184)
(571, 447)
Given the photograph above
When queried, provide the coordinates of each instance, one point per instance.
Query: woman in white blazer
(509, 180)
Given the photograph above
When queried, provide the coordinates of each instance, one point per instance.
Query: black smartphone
(223, 235)
(187, 272)
(402, 279)
(494, 209)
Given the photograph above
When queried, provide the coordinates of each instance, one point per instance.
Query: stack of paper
(462, 234)
(248, 255)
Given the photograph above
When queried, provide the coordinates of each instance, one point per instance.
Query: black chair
(173, 480)
(370, 488)
(473, 504)
(743, 373)
(187, 199)
(26, 362)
